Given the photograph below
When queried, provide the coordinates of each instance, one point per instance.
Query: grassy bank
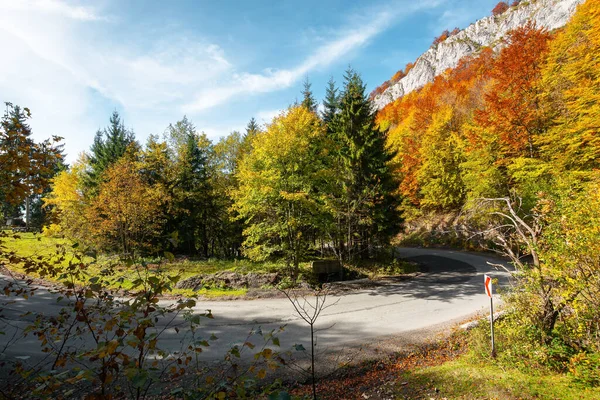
(36, 246)
(466, 378)
(448, 368)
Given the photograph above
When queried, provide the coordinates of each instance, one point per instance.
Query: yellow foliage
(571, 82)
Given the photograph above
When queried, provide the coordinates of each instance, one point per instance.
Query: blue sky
(218, 62)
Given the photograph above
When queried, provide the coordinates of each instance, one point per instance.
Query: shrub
(379, 89)
(397, 76)
(441, 38)
(499, 9)
(52, 230)
(584, 368)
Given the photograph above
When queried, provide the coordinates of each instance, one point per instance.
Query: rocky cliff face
(488, 31)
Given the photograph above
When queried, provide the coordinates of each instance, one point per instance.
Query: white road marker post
(488, 290)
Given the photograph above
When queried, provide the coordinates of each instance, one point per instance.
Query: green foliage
(330, 103)
(110, 144)
(366, 205)
(308, 100)
(27, 168)
(278, 196)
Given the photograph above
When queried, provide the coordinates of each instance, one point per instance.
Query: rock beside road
(230, 280)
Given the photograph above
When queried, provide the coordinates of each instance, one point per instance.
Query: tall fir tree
(27, 167)
(15, 149)
(194, 212)
(367, 206)
(330, 103)
(110, 144)
(252, 129)
(308, 100)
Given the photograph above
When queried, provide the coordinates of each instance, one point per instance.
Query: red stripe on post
(488, 286)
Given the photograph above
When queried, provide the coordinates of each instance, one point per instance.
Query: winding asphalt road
(449, 289)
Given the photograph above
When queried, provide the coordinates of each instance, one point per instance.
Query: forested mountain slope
(450, 47)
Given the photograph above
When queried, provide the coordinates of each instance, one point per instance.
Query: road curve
(450, 288)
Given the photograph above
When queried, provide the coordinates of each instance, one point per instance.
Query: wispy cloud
(345, 41)
(59, 73)
(54, 7)
(266, 116)
(68, 63)
(243, 83)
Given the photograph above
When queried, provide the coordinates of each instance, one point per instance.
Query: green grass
(32, 245)
(466, 378)
(37, 246)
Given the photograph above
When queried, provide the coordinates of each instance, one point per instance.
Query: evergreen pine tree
(252, 129)
(367, 205)
(192, 191)
(330, 103)
(16, 147)
(109, 145)
(27, 167)
(308, 100)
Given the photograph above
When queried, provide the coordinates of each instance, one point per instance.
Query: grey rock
(232, 280)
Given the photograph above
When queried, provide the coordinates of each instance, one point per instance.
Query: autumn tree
(443, 36)
(126, 213)
(571, 93)
(512, 110)
(278, 195)
(67, 203)
(27, 167)
(500, 8)
(441, 182)
(569, 269)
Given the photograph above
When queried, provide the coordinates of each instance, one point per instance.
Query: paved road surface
(449, 289)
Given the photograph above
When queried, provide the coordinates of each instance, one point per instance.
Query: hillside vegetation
(509, 144)
(506, 146)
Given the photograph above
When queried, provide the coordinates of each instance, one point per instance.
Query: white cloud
(266, 116)
(58, 72)
(346, 40)
(54, 7)
(271, 80)
(63, 55)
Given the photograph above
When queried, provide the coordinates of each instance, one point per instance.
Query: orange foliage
(499, 9)
(410, 116)
(441, 38)
(512, 110)
(397, 76)
(379, 89)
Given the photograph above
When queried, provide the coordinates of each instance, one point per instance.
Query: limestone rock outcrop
(489, 31)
